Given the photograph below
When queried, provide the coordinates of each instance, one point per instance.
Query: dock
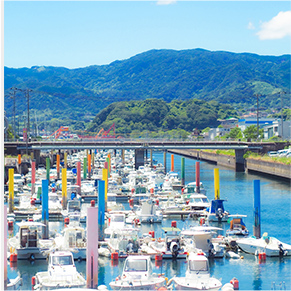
(184, 213)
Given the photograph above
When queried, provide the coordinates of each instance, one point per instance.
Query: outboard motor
(219, 214)
(174, 248)
(282, 252)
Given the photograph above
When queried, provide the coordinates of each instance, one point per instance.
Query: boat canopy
(216, 204)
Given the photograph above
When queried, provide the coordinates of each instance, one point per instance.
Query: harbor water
(238, 190)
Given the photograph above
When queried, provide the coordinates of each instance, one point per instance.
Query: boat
(191, 188)
(61, 273)
(149, 212)
(170, 247)
(237, 227)
(271, 246)
(197, 276)
(124, 241)
(197, 202)
(28, 243)
(216, 211)
(114, 221)
(15, 283)
(72, 238)
(200, 239)
(138, 275)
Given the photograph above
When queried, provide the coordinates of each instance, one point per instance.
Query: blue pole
(45, 206)
(257, 209)
(101, 207)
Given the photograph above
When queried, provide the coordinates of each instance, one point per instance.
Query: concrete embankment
(251, 165)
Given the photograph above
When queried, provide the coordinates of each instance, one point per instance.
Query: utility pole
(281, 94)
(257, 114)
(26, 92)
(12, 96)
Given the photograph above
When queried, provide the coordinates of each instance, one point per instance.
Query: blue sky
(76, 34)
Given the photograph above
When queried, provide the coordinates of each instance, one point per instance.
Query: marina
(238, 190)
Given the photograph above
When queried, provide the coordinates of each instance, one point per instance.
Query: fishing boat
(138, 275)
(197, 202)
(217, 212)
(124, 241)
(271, 246)
(149, 212)
(61, 273)
(191, 188)
(15, 283)
(200, 239)
(114, 221)
(197, 276)
(73, 239)
(28, 243)
(237, 227)
(170, 247)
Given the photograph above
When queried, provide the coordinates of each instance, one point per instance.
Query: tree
(251, 132)
(235, 133)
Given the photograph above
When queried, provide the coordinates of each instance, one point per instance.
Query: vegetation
(282, 160)
(73, 97)
(177, 118)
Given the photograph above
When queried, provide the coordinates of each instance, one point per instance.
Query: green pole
(48, 167)
(85, 168)
(183, 172)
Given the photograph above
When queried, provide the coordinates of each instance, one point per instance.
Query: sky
(76, 34)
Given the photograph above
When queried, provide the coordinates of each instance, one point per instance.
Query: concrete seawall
(259, 166)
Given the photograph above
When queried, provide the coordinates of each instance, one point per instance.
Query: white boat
(138, 275)
(197, 276)
(73, 239)
(15, 283)
(237, 227)
(149, 212)
(114, 221)
(61, 273)
(197, 202)
(28, 242)
(199, 238)
(191, 188)
(124, 241)
(216, 211)
(266, 244)
(170, 247)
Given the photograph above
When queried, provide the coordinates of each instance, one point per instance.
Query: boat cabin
(137, 265)
(197, 264)
(29, 233)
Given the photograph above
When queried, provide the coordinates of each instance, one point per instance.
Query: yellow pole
(65, 159)
(11, 190)
(64, 187)
(105, 178)
(216, 184)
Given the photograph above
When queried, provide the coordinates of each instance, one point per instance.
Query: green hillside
(73, 97)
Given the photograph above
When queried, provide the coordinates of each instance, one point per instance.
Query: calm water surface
(237, 188)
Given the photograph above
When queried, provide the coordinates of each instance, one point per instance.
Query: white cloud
(166, 2)
(251, 26)
(278, 27)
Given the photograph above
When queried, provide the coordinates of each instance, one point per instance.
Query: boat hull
(137, 285)
(196, 284)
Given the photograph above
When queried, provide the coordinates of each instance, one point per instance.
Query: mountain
(75, 96)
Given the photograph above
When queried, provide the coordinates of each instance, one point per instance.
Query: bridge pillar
(239, 160)
(139, 158)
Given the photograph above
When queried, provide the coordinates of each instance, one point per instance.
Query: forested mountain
(77, 95)
(155, 115)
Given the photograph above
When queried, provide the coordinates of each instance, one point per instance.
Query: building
(246, 122)
(228, 123)
(276, 129)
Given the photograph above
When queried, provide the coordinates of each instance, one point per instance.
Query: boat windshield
(117, 218)
(135, 266)
(198, 265)
(62, 260)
